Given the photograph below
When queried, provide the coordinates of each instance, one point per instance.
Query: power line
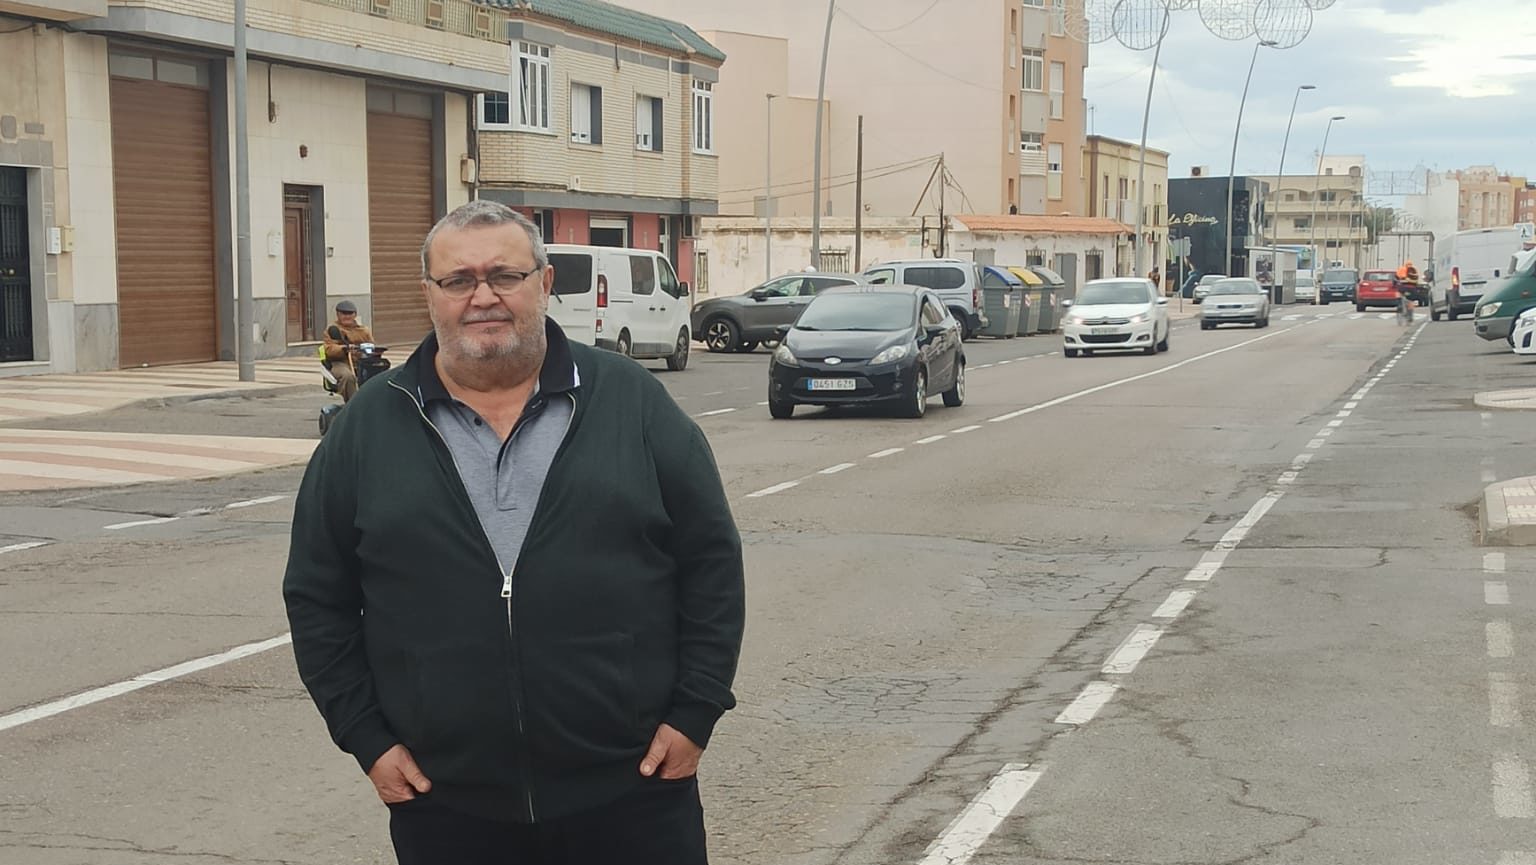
(867, 176)
(922, 160)
(991, 88)
(919, 17)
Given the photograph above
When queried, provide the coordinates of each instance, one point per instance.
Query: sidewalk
(40, 459)
(1507, 516)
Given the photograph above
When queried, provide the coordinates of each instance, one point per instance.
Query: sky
(1439, 84)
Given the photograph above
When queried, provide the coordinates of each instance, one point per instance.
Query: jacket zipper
(506, 575)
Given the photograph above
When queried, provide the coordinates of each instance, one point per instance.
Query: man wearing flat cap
(341, 342)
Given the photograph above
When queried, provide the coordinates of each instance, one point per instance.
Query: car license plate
(830, 384)
(1100, 330)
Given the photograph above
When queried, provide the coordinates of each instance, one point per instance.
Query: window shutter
(597, 115)
(656, 125)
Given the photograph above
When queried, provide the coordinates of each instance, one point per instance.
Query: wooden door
(296, 270)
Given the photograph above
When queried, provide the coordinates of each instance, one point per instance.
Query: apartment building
(994, 87)
(1525, 203)
(602, 129)
(117, 186)
(1327, 208)
(1111, 170)
(1486, 198)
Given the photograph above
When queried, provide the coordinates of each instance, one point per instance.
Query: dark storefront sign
(1197, 209)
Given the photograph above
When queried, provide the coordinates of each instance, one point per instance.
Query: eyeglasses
(501, 282)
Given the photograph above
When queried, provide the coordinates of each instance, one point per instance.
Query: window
(818, 284)
(545, 220)
(1034, 69)
(701, 271)
(703, 117)
(884, 276)
(1093, 264)
(1058, 17)
(533, 86)
(1031, 142)
(932, 312)
(495, 110)
(668, 279)
(586, 114)
(642, 274)
(648, 123)
(1053, 171)
(1038, 4)
(1058, 84)
(936, 278)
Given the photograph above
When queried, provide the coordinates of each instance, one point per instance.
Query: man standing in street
(341, 342)
(515, 585)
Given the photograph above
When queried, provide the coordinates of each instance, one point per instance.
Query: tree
(1377, 220)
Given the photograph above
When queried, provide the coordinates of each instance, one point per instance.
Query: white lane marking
(1302, 459)
(1118, 382)
(965, 429)
(195, 512)
(1485, 415)
(251, 503)
(106, 692)
(1355, 316)
(974, 825)
(1344, 413)
(840, 467)
(1003, 362)
(1209, 564)
(764, 402)
(1487, 461)
(136, 523)
(1235, 535)
(885, 453)
(1290, 318)
(1315, 443)
(1503, 700)
(1488, 476)
(776, 488)
(1360, 394)
(1175, 604)
(1352, 405)
(1336, 423)
(1386, 316)
(1501, 639)
(985, 366)
(25, 545)
(715, 412)
(1493, 563)
(931, 439)
(1512, 789)
(1512, 857)
(714, 393)
(1093, 697)
(1495, 593)
(1324, 432)
(1124, 659)
(1288, 477)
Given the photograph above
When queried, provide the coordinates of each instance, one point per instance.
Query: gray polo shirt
(504, 478)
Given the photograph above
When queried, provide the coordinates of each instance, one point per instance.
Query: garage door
(162, 181)
(399, 216)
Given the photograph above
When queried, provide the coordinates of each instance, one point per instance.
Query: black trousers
(659, 823)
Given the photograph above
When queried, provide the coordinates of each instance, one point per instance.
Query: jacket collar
(558, 374)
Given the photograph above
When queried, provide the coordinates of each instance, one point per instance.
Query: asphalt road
(926, 601)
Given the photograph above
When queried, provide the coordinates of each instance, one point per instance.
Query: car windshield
(1236, 286)
(1103, 293)
(1304, 281)
(1379, 276)
(1334, 277)
(1210, 278)
(873, 310)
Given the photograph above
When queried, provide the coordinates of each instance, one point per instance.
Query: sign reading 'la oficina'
(1192, 219)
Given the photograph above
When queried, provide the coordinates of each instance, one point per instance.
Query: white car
(1237, 300)
(1116, 315)
(1306, 288)
(1523, 335)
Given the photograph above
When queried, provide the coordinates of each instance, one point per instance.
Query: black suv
(1338, 284)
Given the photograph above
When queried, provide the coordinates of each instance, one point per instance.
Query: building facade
(117, 180)
(1486, 198)
(1525, 203)
(1326, 210)
(1111, 170)
(603, 129)
(1197, 211)
(994, 88)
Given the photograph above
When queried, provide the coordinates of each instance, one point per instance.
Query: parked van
(625, 300)
(1506, 298)
(955, 281)
(1465, 264)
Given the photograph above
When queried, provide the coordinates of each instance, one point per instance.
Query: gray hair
(481, 212)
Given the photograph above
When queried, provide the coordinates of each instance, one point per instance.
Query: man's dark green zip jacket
(626, 610)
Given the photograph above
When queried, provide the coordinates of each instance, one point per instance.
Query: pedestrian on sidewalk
(514, 584)
(341, 347)
(1157, 278)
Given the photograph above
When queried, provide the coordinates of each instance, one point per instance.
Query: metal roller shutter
(163, 185)
(399, 217)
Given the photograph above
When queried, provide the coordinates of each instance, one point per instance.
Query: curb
(1496, 525)
(169, 401)
(1518, 398)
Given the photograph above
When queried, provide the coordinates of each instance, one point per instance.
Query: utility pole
(1317, 180)
(821, 102)
(858, 202)
(943, 180)
(768, 196)
(245, 306)
(1232, 168)
(1141, 171)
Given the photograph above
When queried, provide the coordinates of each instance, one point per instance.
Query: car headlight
(783, 355)
(1488, 309)
(894, 353)
(1140, 318)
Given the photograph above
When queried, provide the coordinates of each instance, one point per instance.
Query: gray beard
(486, 366)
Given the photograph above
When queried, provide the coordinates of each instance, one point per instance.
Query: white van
(1465, 263)
(625, 300)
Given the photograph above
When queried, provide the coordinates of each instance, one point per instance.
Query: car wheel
(780, 409)
(1434, 314)
(1151, 346)
(1167, 335)
(1205, 325)
(1359, 307)
(1069, 352)
(747, 346)
(624, 346)
(1325, 300)
(720, 335)
(678, 359)
(955, 396)
(917, 399)
(1450, 312)
(966, 333)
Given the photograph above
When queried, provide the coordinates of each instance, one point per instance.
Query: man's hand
(672, 755)
(397, 778)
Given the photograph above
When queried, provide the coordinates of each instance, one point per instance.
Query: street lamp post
(1232, 169)
(1317, 181)
(1274, 236)
(768, 194)
(821, 98)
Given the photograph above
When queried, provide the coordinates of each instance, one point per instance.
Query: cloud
(1471, 49)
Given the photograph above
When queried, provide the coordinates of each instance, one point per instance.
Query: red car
(1376, 288)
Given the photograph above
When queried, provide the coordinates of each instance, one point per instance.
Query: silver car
(1237, 300)
(1203, 287)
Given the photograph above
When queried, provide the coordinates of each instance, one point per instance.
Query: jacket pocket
(581, 700)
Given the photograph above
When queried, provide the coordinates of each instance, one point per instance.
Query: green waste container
(1055, 290)
(1002, 298)
(1034, 299)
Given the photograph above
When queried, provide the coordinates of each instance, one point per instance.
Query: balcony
(461, 17)
(1032, 163)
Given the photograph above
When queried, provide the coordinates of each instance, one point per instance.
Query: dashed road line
(1500, 638)
(1123, 660)
(974, 825)
(776, 488)
(1512, 789)
(1495, 593)
(1493, 563)
(1094, 696)
(717, 411)
(24, 545)
(878, 455)
(931, 439)
(1503, 700)
(1175, 604)
(155, 521)
(250, 503)
(965, 429)
(840, 467)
